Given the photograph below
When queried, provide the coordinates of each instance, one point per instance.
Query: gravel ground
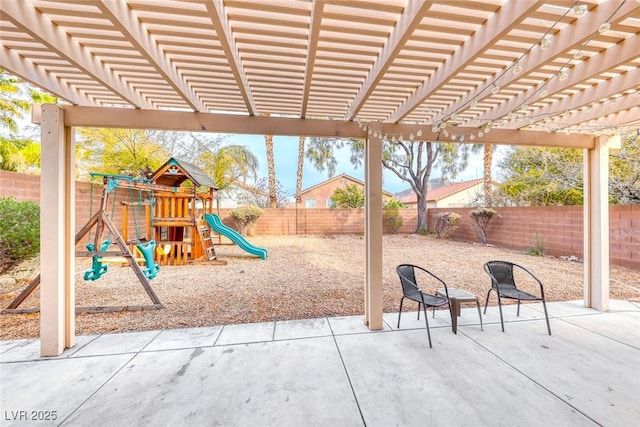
(303, 277)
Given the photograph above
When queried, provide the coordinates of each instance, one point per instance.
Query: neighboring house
(458, 194)
(319, 196)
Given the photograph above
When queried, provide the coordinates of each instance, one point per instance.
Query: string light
(516, 68)
(604, 28)
(580, 9)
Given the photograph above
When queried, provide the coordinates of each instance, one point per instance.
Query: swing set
(98, 247)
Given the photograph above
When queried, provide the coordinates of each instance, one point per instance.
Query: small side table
(457, 297)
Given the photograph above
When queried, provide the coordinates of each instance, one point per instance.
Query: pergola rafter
(595, 66)
(220, 22)
(574, 36)
(36, 75)
(127, 23)
(407, 23)
(485, 37)
(312, 46)
(37, 25)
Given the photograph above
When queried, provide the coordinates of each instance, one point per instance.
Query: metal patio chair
(503, 282)
(411, 290)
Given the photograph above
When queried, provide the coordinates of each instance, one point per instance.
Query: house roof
(444, 191)
(338, 177)
(540, 65)
(175, 171)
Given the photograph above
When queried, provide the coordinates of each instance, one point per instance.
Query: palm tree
(301, 142)
(271, 170)
(228, 164)
(487, 160)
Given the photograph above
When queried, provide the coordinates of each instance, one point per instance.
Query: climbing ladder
(207, 243)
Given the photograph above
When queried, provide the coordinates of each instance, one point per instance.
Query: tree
(228, 164)
(121, 151)
(301, 142)
(349, 196)
(411, 161)
(487, 160)
(271, 170)
(624, 166)
(259, 196)
(542, 176)
(17, 152)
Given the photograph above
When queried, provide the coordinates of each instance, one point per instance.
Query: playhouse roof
(175, 171)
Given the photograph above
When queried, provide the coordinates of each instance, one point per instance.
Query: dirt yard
(302, 277)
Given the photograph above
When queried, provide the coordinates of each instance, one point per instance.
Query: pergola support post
(373, 228)
(57, 242)
(596, 224)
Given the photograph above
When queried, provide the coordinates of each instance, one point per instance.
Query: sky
(285, 151)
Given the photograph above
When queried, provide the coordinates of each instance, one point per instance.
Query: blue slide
(216, 225)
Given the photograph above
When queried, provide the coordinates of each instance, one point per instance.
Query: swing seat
(147, 249)
(97, 267)
(164, 250)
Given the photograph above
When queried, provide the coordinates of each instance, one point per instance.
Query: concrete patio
(334, 371)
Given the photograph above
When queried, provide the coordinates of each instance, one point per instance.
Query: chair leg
(500, 307)
(434, 312)
(418, 311)
(518, 311)
(400, 311)
(426, 320)
(479, 314)
(486, 301)
(546, 316)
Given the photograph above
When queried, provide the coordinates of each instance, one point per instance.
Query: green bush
(391, 215)
(245, 217)
(19, 231)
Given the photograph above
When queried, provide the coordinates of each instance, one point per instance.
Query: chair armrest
(534, 277)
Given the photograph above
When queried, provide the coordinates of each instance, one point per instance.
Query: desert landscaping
(302, 277)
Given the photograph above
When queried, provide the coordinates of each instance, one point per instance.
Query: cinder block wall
(560, 227)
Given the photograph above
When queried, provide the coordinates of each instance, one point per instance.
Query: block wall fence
(559, 227)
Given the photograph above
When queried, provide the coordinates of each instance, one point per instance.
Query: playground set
(179, 228)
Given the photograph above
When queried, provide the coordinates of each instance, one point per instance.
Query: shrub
(391, 215)
(481, 218)
(446, 222)
(538, 246)
(19, 231)
(350, 196)
(245, 217)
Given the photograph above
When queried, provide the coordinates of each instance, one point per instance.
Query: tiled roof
(444, 191)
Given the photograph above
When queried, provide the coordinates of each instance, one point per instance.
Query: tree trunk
(423, 224)
(271, 169)
(488, 158)
(300, 167)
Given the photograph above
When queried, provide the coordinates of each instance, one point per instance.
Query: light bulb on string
(474, 103)
(495, 89)
(543, 93)
(546, 42)
(454, 117)
(472, 137)
(578, 55)
(580, 9)
(480, 134)
(563, 75)
(434, 128)
(517, 69)
(411, 136)
(419, 133)
(604, 28)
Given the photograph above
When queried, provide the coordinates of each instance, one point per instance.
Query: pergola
(520, 72)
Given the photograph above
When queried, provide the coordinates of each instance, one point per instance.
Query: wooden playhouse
(176, 221)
